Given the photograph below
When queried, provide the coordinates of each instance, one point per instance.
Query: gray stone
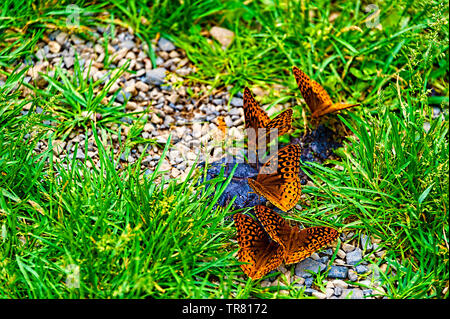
(184, 71)
(228, 121)
(218, 101)
(354, 256)
(337, 291)
(61, 38)
(361, 269)
(68, 61)
(127, 44)
(324, 259)
(168, 120)
(40, 54)
(237, 102)
(338, 272)
(165, 45)
(352, 275)
(123, 157)
(159, 60)
(235, 111)
(156, 76)
(308, 265)
(161, 139)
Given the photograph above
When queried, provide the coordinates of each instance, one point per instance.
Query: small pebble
(54, 46)
(361, 269)
(156, 76)
(354, 256)
(319, 294)
(237, 102)
(338, 272)
(308, 265)
(165, 45)
(347, 248)
(352, 275)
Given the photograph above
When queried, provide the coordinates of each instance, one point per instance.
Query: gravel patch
(156, 92)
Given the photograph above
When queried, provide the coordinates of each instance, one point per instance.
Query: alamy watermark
(73, 276)
(73, 16)
(373, 20)
(254, 146)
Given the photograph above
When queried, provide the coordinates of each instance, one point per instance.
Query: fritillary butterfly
(256, 249)
(282, 187)
(298, 244)
(256, 117)
(318, 100)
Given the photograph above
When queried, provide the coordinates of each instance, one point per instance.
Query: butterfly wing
(314, 94)
(259, 253)
(333, 108)
(307, 241)
(316, 97)
(282, 122)
(275, 225)
(298, 244)
(282, 185)
(254, 115)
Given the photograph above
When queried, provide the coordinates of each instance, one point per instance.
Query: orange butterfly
(315, 96)
(282, 186)
(298, 244)
(256, 117)
(259, 253)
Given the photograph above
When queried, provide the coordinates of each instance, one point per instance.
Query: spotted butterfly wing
(256, 249)
(256, 117)
(298, 244)
(278, 180)
(253, 114)
(282, 122)
(316, 97)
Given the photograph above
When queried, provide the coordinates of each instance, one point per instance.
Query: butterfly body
(316, 97)
(280, 186)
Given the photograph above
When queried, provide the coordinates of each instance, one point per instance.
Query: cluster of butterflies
(267, 242)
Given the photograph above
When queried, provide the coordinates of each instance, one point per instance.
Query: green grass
(134, 238)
